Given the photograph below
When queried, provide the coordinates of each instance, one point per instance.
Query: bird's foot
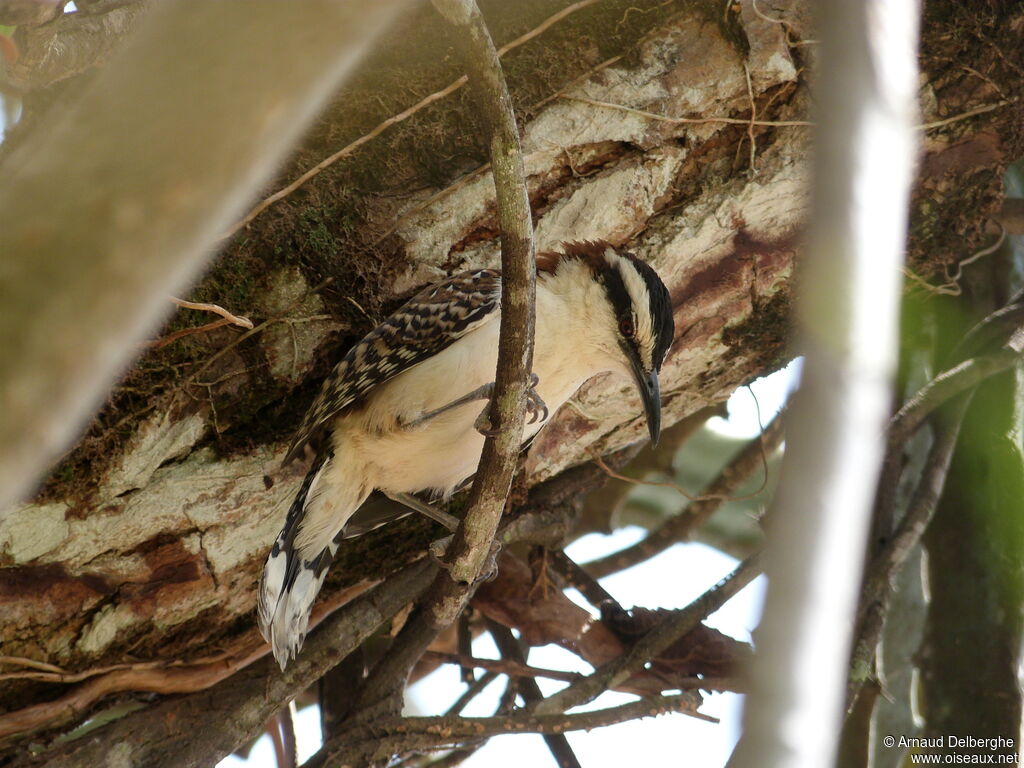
(536, 409)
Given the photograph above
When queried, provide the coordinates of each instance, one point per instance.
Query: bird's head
(632, 319)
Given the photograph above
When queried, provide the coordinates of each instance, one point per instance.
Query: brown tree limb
(148, 677)
(245, 701)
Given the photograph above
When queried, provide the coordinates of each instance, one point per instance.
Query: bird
(401, 414)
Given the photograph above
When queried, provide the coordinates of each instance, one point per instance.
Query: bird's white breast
(443, 451)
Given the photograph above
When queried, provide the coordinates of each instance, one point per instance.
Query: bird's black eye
(626, 327)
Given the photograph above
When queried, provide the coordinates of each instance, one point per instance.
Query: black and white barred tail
(297, 565)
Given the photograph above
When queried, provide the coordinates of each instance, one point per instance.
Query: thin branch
(682, 526)
(686, 120)
(879, 575)
(677, 624)
(471, 692)
(952, 285)
(584, 581)
(437, 733)
(965, 115)
(182, 333)
(471, 545)
(1001, 330)
(286, 725)
(945, 386)
(501, 666)
(779, 123)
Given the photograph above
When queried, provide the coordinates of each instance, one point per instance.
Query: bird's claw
(535, 406)
(536, 409)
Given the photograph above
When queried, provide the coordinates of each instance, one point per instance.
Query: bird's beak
(650, 393)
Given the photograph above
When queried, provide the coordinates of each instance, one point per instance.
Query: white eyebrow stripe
(636, 287)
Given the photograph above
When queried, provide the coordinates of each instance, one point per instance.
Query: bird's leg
(448, 521)
(440, 547)
(535, 406)
(480, 393)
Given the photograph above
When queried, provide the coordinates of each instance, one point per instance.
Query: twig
(779, 123)
(1002, 329)
(681, 526)
(945, 386)
(182, 333)
(281, 730)
(501, 666)
(286, 725)
(952, 285)
(21, 661)
(654, 642)
(426, 101)
(965, 115)
(234, 319)
(585, 582)
(686, 120)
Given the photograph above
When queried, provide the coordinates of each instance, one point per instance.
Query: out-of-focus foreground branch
(848, 318)
(115, 202)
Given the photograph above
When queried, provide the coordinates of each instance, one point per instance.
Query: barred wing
(419, 329)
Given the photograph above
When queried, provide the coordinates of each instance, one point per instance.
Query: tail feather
(298, 561)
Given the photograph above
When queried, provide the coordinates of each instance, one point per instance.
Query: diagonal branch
(875, 593)
(471, 544)
(682, 526)
(654, 642)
